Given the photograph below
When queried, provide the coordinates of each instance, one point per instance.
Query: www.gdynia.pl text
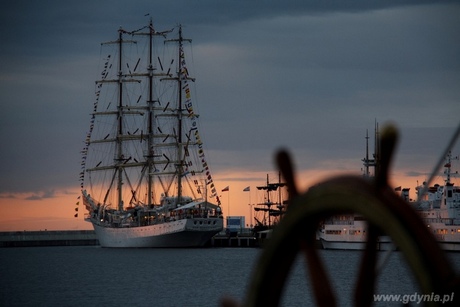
(414, 298)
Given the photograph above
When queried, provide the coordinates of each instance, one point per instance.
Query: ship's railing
(173, 216)
(445, 221)
(192, 213)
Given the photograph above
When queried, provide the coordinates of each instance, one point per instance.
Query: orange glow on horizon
(57, 212)
(19, 213)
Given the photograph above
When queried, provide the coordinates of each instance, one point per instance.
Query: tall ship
(145, 179)
(269, 213)
(272, 209)
(438, 206)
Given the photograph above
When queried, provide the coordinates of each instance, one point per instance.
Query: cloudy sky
(311, 77)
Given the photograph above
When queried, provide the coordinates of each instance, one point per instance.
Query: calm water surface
(94, 276)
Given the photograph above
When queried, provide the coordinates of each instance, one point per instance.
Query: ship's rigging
(143, 146)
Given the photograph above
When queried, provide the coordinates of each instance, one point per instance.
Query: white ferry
(439, 207)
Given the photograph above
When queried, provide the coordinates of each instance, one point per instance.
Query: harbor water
(95, 276)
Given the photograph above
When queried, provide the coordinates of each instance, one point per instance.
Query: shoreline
(88, 238)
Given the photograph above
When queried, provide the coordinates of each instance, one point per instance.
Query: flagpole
(248, 189)
(250, 215)
(227, 189)
(250, 209)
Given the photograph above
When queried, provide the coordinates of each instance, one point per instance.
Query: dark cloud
(41, 195)
(310, 76)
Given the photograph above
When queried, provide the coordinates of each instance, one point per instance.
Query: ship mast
(119, 144)
(376, 150)
(150, 103)
(121, 160)
(150, 154)
(271, 187)
(179, 120)
(180, 80)
(371, 162)
(366, 159)
(448, 166)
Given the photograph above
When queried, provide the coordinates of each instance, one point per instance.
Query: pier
(48, 238)
(88, 238)
(225, 241)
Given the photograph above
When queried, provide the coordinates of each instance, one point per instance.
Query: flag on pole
(247, 189)
(226, 189)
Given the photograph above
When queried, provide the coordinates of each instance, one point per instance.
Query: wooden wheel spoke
(385, 212)
(365, 284)
(322, 288)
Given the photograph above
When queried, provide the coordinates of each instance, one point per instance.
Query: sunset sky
(311, 77)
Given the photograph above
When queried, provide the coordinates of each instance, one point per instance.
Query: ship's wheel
(385, 212)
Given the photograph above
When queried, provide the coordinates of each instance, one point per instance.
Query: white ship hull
(338, 237)
(448, 236)
(450, 246)
(383, 244)
(181, 233)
